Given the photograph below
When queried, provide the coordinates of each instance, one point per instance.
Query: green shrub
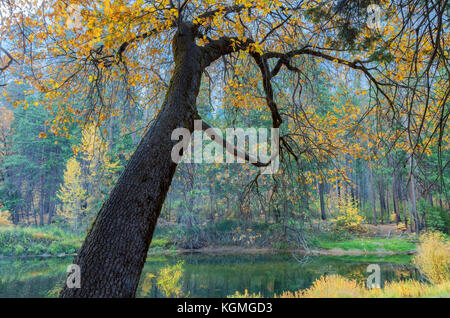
(36, 249)
(436, 219)
(36, 241)
(18, 250)
(159, 243)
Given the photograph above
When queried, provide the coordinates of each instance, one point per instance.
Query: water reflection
(209, 275)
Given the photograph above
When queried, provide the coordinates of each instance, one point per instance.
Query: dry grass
(433, 257)
(336, 286)
(412, 289)
(245, 295)
(333, 286)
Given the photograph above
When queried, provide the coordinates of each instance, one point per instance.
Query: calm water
(209, 275)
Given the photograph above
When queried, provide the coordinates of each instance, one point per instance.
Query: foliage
(433, 257)
(160, 243)
(349, 217)
(94, 175)
(72, 194)
(169, 280)
(436, 219)
(246, 294)
(5, 218)
(363, 112)
(32, 166)
(37, 241)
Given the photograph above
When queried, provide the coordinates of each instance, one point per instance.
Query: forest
(92, 91)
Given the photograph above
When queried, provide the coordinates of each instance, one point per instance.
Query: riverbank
(50, 241)
(325, 252)
(242, 250)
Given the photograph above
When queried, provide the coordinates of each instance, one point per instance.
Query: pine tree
(98, 169)
(72, 194)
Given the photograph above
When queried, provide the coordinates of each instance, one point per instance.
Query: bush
(37, 249)
(433, 257)
(55, 248)
(5, 218)
(436, 219)
(18, 250)
(349, 217)
(159, 243)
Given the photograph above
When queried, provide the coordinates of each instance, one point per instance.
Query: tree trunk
(372, 189)
(382, 201)
(388, 209)
(323, 213)
(41, 204)
(115, 250)
(412, 195)
(395, 199)
(430, 199)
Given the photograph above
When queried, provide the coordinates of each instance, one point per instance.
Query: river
(210, 275)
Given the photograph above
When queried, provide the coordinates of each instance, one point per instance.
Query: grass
(18, 241)
(336, 286)
(369, 244)
(51, 240)
(410, 288)
(374, 258)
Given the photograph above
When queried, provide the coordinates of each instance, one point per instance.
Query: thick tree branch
(233, 150)
(267, 84)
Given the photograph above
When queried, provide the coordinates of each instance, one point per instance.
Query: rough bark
(114, 252)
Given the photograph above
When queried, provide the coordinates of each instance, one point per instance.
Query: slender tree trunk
(323, 213)
(388, 209)
(114, 252)
(41, 204)
(382, 200)
(338, 191)
(430, 199)
(372, 190)
(412, 195)
(29, 203)
(395, 200)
